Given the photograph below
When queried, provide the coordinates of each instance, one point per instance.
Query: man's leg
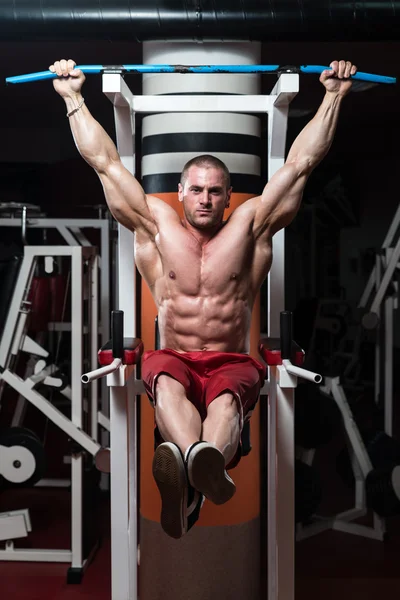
(206, 461)
(222, 425)
(167, 380)
(230, 395)
(178, 420)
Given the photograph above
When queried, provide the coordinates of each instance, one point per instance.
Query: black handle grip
(156, 335)
(117, 333)
(286, 334)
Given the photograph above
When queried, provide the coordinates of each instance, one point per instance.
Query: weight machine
(121, 375)
(378, 302)
(376, 485)
(21, 452)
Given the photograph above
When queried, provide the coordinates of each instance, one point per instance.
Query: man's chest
(219, 267)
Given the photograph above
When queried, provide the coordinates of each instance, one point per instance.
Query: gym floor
(332, 565)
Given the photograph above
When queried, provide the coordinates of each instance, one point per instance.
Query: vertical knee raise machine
(120, 364)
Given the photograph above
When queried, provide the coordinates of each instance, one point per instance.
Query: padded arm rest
(270, 350)
(133, 350)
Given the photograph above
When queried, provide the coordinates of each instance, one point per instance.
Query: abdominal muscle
(212, 323)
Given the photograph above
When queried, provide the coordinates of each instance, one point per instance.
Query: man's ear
(228, 197)
(180, 192)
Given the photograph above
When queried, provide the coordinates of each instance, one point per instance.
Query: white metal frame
(71, 230)
(374, 296)
(378, 306)
(14, 340)
(281, 529)
(361, 466)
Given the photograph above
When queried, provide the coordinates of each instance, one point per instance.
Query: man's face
(204, 196)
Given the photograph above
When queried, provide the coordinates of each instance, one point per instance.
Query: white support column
(119, 495)
(118, 92)
(105, 291)
(133, 489)
(122, 399)
(94, 342)
(283, 93)
(281, 457)
(281, 464)
(272, 549)
(105, 280)
(76, 405)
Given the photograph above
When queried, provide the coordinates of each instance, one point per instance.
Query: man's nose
(205, 198)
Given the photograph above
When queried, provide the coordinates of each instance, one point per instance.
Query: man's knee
(165, 380)
(167, 387)
(225, 404)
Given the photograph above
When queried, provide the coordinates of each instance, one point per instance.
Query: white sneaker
(170, 476)
(206, 471)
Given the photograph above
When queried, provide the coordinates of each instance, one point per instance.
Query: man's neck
(203, 236)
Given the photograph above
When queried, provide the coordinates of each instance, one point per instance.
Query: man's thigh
(243, 380)
(161, 362)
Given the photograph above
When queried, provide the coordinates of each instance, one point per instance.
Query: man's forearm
(314, 141)
(92, 141)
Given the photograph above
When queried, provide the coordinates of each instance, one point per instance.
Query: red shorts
(206, 375)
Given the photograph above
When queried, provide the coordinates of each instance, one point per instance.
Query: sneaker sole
(170, 477)
(207, 474)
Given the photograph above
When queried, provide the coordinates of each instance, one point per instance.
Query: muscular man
(204, 275)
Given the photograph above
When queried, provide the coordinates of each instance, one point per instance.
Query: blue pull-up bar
(182, 69)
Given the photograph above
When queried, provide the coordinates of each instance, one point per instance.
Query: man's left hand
(337, 78)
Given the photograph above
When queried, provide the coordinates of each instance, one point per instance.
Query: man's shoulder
(244, 212)
(161, 209)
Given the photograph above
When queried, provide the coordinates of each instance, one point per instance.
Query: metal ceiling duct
(143, 20)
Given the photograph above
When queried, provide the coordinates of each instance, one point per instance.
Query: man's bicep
(280, 200)
(126, 199)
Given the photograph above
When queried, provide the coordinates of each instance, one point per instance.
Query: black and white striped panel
(170, 140)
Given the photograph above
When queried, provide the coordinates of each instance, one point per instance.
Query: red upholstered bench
(270, 351)
(132, 352)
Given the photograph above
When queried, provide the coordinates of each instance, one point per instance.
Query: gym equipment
(382, 482)
(21, 455)
(282, 378)
(375, 311)
(361, 466)
(281, 438)
(73, 232)
(371, 465)
(118, 359)
(382, 450)
(383, 490)
(320, 326)
(22, 458)
(185, 69)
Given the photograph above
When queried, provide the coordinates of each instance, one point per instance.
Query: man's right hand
(69, 80)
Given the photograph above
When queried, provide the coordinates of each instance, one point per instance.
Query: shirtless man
(204, 275)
